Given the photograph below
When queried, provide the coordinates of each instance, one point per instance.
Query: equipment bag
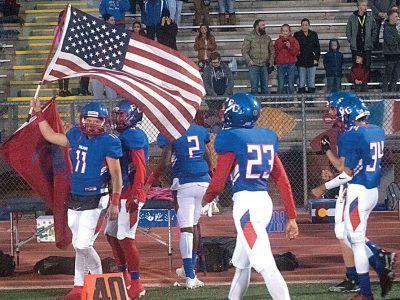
(7, 265)
(219, 252)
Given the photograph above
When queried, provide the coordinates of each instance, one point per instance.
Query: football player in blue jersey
(250, 154)
(191, 164)
(121, 233)
(379, 259)
(95, 157)
(360, 151)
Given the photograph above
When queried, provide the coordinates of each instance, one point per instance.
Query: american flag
(162, 82)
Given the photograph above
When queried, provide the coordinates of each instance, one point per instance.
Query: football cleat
(75, 293)
(193, 283)
(346, 286)
(136, 290)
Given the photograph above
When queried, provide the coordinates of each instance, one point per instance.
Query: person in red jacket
(287, 49)
(359, 75)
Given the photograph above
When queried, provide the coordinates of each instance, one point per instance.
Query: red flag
(44, 166)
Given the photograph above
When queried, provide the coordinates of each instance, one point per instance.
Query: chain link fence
(297, 119)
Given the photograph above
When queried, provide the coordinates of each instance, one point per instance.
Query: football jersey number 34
(261, 165)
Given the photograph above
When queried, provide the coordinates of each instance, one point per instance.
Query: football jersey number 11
(80, 161)
(261, 151)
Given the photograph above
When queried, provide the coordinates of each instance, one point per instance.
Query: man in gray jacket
(391, 51)
(361, 33)
(258, 52)
(380, 9)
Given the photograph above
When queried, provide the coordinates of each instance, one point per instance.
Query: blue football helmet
(334, 100)
(351, 110)
(240, 110)
(94, 110)
(125, 115)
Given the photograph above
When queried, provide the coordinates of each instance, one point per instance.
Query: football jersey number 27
(263, 153)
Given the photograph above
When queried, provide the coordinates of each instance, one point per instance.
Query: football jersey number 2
(80, 161)
(196, 147)
(261, 152)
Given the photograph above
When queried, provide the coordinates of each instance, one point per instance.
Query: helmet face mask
(125, 115)
(94, 119)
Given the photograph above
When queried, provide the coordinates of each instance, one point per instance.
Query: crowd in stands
(294, 55)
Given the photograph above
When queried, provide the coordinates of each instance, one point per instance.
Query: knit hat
(165, 13)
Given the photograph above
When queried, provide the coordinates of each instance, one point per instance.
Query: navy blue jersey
(362, 148)
(131, 139)
(88, 156)
(254, 150)
(188, 163)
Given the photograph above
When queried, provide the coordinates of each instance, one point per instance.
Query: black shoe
(347, 286)
(386, 279)
(62, 94)
(68, 93)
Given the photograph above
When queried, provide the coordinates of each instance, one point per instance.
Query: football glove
(325, 144)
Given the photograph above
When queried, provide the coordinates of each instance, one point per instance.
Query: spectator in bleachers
(333, 61)
(391, 51)
(287, 49)
(310, 52)
(175, 9)
(134, 3)
(361, 33)
(62, 83)
(167, 31)
(227, 7)
(137, 28)
(98, 88)
(395, 8)
(258, 52)
(204, 44)
(359, 75)
(116, 8)
(379, 12)
(217, 77)
(151, 15)
(10, 8)
(201, 12)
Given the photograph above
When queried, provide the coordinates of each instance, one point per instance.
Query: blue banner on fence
(278, 221)
(156, 217)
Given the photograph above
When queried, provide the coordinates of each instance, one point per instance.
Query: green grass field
(255, 292)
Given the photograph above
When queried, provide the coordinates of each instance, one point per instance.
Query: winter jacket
(391, 40)
(116, 8)
(378, 6)
(352, 29)
(204, 47)
(258, 50)
(333, 61)
(283, 54)
(166, 34)
(209, 77)
(151, 12)
(310, 49)
(359, 72)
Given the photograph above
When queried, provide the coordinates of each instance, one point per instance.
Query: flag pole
(32, 102)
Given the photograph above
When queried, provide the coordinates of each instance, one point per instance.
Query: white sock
(239, 284)
(79, 268)
(186, 244)
(276, 285)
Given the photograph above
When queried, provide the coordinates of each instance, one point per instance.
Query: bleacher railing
(296, 118)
